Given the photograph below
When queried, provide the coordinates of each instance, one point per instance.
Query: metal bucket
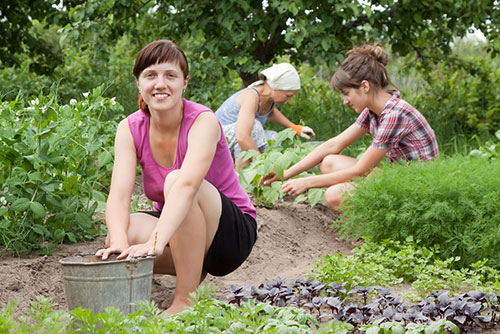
(95, 284)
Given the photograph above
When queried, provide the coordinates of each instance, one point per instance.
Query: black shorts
(233, 241)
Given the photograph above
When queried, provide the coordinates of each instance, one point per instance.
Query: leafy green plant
(449, 202)
(55, 167)
(206, 316)
(441, 326)
(490, 150)
(389, 262)
(287, 150)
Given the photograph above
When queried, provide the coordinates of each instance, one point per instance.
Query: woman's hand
(112, 249)
(145, 249)
(295, 187)
(268, 179)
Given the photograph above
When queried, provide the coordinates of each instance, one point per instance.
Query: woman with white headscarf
(243, 114)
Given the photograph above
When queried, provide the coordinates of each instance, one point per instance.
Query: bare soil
(291, 237)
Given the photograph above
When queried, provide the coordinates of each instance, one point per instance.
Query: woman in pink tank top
(203, 221)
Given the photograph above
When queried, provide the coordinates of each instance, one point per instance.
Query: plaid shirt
(402, 129)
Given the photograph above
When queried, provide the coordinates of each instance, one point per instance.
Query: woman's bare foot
(176, 307)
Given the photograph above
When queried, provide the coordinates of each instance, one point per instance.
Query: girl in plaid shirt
(399, 131)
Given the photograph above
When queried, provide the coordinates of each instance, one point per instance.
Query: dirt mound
(291, 237)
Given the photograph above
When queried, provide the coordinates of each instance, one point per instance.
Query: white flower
(30, 108)
(35, 101)
(72, 102)
(113, 101)
(86, 94)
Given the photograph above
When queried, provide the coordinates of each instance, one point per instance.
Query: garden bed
(291, 238)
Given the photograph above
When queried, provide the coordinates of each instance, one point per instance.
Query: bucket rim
(76, 260)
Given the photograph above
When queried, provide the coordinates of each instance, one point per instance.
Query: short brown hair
(158, 52)
(366, 62)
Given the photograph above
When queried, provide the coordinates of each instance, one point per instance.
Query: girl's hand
(112, 249)
(268, 179)
(295, 187)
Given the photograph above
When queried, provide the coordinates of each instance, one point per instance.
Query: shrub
(461, 97)
(451, 203)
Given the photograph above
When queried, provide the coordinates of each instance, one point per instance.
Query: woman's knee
(333, 198)
(140, 227)
(327, 164)
(336, 194)
(335, 162)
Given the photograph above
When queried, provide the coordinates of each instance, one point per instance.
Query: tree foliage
(22, 31)
(246, 35)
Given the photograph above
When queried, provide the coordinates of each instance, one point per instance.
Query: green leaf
(270, 195)
(368, 11)
(35, 176)
(98, 196)
(104, 158)
(314, 195)
(325, 45)
(292, 7)
(39, 229)
(71, 236)
(373, 330)
(354, 9)
(301, 198)
(20, 204)
(249, 174)
(37, 209)
(59, 235)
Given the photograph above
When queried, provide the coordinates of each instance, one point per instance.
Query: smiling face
(282, 96)
(161, 85)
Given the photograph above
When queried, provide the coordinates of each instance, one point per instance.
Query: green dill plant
(451, 203)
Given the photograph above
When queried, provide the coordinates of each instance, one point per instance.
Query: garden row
(310, 305)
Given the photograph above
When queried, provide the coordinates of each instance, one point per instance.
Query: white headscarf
(280, 77)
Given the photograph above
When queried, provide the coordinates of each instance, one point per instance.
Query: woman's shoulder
(248, 96)
(250, 92)
(137, 116)
(194, 106)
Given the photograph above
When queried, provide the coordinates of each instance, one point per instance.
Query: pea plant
(55, 165)
(282, 153)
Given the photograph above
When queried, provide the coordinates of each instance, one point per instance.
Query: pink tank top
(221, 173)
